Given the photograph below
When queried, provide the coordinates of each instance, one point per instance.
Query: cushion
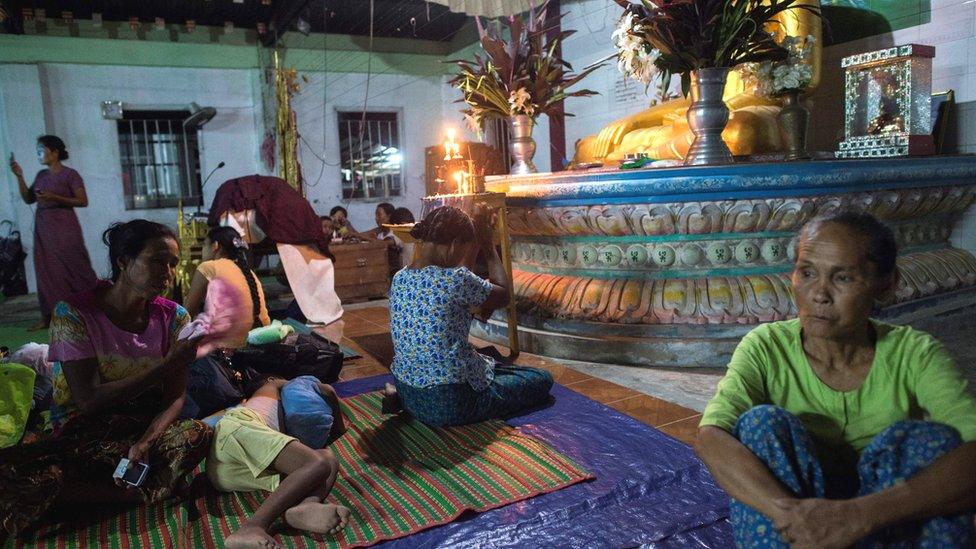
(308, 416)
(272, 333)
(16, 397)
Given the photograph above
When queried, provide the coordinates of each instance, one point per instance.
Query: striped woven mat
(397, 475)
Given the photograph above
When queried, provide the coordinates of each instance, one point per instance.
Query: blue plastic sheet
(650, 489)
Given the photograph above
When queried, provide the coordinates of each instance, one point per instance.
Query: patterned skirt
(89, 449)
(514, 390)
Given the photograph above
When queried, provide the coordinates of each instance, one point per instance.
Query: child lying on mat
(251, 452)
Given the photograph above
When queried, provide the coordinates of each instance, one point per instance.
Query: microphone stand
(204, 184)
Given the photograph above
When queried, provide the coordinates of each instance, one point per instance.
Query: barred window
(372, 161)
(160, 160)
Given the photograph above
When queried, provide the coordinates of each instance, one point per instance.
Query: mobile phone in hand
(132, 473)
(12, 159)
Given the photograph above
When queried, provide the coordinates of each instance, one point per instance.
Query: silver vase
(707, 117)
(792, 120)
(522, 146)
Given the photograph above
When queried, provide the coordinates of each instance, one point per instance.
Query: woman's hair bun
(420, 229)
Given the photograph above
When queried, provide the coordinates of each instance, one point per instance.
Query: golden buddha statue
(662, 131)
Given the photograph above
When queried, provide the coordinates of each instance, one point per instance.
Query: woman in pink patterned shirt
(119, 386)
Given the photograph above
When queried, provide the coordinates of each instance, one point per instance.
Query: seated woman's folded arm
(948, 486)
(736, 469)
(174, 380)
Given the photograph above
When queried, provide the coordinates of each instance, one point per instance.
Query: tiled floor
(675, 420)
(669, 400)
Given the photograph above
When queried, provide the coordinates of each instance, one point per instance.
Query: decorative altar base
(670, 267)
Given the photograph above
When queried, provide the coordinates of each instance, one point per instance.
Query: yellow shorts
(244, 448)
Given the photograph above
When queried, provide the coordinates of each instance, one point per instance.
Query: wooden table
(362, 269)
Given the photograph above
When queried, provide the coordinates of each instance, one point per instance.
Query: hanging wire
(419, 78)
(369, 70)
(369, 74)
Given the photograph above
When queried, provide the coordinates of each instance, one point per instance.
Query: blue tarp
(650, 489)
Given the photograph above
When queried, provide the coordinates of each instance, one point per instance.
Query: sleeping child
(251, 451)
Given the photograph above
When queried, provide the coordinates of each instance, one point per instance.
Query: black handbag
(13, 279)
(296, 355)
(214, 382)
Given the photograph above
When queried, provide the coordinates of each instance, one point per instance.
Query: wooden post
(557, 120)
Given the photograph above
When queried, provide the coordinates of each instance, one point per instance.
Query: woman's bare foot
(312, 515)
(391, 400)
(251, 537)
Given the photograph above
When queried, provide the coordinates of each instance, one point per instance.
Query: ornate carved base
(667, 263)
(674, 345)
(744, 299)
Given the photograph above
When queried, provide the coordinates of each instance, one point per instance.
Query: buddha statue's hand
(611, 136)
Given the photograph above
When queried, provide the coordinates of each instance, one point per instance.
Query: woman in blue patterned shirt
(440, 378)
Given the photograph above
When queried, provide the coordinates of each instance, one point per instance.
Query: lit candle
(450, 147)
(459, 179)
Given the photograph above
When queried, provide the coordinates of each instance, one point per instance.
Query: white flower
(473, 121)
(635, 57)
(520, 102)
(792, 73)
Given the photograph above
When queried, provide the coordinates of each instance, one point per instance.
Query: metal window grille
(372, 160)
(160, 160)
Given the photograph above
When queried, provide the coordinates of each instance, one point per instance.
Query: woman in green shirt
(834, 428)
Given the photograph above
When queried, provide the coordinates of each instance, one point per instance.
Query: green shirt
(912, 377)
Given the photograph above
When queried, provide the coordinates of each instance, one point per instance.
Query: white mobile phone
(131, 472)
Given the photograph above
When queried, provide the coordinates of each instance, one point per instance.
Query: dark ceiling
(392, 18)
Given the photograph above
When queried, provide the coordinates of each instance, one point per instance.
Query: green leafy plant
(518, 75)
(697, 34)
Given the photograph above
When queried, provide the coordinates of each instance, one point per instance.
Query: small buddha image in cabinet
(888, 103)
(362, 269)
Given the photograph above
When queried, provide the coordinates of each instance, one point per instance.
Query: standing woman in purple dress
(61, 261)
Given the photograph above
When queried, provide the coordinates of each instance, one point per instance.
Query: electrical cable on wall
(369, 70)
(352, 70)
(394, 89)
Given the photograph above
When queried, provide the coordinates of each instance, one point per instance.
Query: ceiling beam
(15, 21)
(286, 13)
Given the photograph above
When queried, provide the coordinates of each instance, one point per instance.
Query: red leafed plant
(518, 75)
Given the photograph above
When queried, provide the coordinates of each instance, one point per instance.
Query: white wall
(65, 100)
(417, 99)
(952, 30)
(594, 21)
(21, 121)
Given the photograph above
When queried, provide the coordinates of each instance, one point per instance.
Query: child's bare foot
(391, 400)
(313, 516)
(251, 537)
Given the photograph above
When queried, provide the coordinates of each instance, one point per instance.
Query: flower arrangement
(635, 57)
(520, 75)
(792, 74)
(682, 36)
